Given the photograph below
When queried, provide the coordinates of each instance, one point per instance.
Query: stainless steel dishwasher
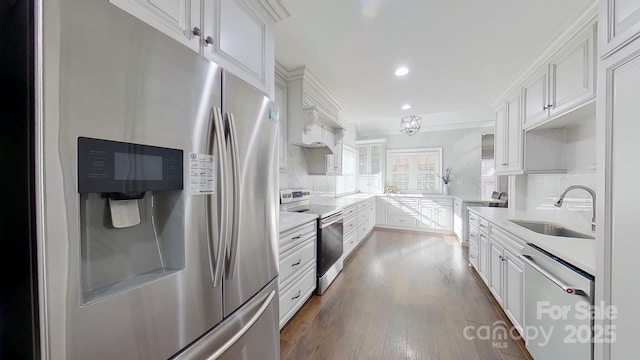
(558, 301)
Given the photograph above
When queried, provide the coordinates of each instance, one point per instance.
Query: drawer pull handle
(297, 263)
(296, 237)
(297, 295)
(482, 225)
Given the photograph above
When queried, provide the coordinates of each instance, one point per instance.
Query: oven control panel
(288, 196)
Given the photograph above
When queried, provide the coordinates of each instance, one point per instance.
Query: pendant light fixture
(410, 124)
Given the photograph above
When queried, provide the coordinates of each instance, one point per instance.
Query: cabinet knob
(209, 40)
(196, 31)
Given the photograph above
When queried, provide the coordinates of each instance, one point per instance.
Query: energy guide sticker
(202, 171)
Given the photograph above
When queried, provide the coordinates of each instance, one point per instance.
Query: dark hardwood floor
(402, 295)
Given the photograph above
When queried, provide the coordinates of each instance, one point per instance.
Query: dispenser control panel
(115, 167)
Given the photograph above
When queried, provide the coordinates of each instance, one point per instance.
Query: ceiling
(461, 54)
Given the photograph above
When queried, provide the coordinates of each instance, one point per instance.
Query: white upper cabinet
(573, 73)
(500, 150)
(239, 38)
(535, 95)
(179, 19)
(514, 133)
(622, 21)
(508, 136)
(563, 84)
(234, 34)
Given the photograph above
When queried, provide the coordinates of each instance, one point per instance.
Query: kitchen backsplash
(543, 189)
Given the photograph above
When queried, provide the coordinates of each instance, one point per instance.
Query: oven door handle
(567, 288)
(330, 220)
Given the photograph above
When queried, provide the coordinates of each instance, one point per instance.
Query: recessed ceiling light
(402, 71)
(406, 107)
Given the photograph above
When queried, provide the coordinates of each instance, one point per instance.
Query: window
(346, 183)
(488, 181)
(415, 169)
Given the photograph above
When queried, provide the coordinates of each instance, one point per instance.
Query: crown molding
(275, 9)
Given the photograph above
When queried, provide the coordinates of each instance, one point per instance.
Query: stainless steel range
(329, 244)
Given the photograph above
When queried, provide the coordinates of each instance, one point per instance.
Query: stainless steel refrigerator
(157, 196)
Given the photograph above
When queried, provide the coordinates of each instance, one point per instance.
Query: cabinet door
(573, 73)
(457, 218)
(281, 100)
(175, 18)
(500, 143)
(513, 289)
(375, 159)
(535, 97)
(495, 270)
(372, 214)
(622, 97)
(240, 39)
(622, 23)
(445, 217)
(514, 133)
(428, 217)
(363, 160)
(483, 258)
(381, 210)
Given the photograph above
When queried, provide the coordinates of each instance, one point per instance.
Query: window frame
(439, 189)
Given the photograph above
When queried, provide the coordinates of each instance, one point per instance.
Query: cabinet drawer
(296, 260)
(349, 242)
(350, 225)
(363, 217)
(473, 219)
(363, 230)
(363, 205)
(295, 236)
(349, 211)
(402, 220)
(483, 224)
(473, 256)
(293, 296)
(474, 235)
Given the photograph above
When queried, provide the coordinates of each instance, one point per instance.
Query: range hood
(312, 113)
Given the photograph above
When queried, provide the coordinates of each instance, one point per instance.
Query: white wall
(542, 189)
(461, 150)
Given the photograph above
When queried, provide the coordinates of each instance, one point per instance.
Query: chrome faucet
(558, 202)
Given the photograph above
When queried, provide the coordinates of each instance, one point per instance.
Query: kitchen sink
(546, 228)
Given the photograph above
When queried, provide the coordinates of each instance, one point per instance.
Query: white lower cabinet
(359, 219)
(297, 279)
(415, 213)
(495, 256)
(484, 256)
(293, 296)
(513, 300)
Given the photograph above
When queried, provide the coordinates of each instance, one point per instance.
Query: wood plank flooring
(401, 295)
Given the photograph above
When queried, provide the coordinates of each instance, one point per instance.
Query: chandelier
(410, 124)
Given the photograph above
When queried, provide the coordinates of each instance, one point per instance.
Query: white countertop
(424, 195)
(477, 200)
(342, 201)
(578, 252)
(289, 220)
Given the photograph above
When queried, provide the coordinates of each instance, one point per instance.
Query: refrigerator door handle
(232, 138)
(245, 328)
(216, 129)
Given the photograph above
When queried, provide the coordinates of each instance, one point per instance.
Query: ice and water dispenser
(131, 212)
